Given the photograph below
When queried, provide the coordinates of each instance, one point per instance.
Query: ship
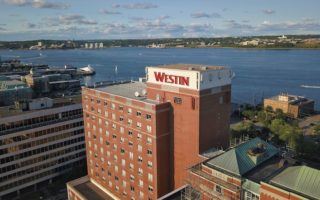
(87, 71)
(311, 86)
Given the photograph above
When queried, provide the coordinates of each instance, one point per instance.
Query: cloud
(108, 12)
(37, 4)
(135, 6)
(2, 29)
(268, 11)
(31, 25)
(75, 19)
(205, 15)
(17, 2)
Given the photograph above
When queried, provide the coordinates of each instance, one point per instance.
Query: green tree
(316, 129)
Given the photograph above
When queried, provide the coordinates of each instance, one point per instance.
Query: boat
(311, 86)
(88, 70)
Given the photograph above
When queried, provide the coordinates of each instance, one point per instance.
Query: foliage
(316, 129)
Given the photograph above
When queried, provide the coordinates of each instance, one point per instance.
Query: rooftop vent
(137, 94)
(257, 153)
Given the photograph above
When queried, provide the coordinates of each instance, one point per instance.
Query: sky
(135, 19)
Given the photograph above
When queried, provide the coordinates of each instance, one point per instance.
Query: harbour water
(259, 72)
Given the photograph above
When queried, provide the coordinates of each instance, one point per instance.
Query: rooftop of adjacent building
(291, 99)
(243, 158)
(130, 90)
(8, 84)
(302, 180)
(87, 189)
(190, 67)
(23, 107)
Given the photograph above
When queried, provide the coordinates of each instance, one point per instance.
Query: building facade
(251, 171)
(141, 137)
(293, 106)
(39, 142)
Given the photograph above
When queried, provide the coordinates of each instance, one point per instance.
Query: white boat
(88, 70)
(311, 86)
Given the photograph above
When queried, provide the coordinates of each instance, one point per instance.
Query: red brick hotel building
(141, 137)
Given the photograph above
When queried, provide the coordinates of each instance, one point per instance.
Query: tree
(316, 129)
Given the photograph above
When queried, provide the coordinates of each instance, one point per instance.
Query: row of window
(40, 167)
(114, 107)
(41, 150)
(40, 119)
(62, 169)
(114, 126)
(40, 142)
(41, 158)
(40, 133)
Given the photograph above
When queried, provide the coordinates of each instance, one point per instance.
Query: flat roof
(91, 191)
(127, 90)
(191, 67)
(8, 111)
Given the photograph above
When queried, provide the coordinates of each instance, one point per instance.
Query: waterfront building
(251, 171)
(40, 139)
(13, 90)
(292, 105)
(142, 137)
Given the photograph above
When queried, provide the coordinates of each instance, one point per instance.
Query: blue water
(259, 73)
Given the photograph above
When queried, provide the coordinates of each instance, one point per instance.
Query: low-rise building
(292, 105)
(252, 170)
(13, 90)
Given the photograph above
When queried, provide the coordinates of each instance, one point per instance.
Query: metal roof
(303, 180)
(237, 160)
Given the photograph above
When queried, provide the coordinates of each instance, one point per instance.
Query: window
(106, 114)
(114, 126)
(140, 183)
(148, 116)
(149, 164)
(130, 133)
(122, 151)
(149, 128)
(132, 188)
(139, 148)
(129, 122)
(131, 177)
(113, 106)
(131, 155)
(177, 100)
(107, 133)
(150, 188)
(129, 110)
(113, 116)
(149, 152)
(139, 136)
(218, 189)
(130, 143)
(121, 129)
(108, 153)
(149, 140)
(121, 118)
(123, 162)
(106, 123)
(138, 113)
(140, 159)
(140, 171)
(150, 177)
(121, 108)
(105, 103)
(139, 124)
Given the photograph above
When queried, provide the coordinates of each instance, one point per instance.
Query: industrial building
(141, 137)
(292, 105)
(40, 139)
